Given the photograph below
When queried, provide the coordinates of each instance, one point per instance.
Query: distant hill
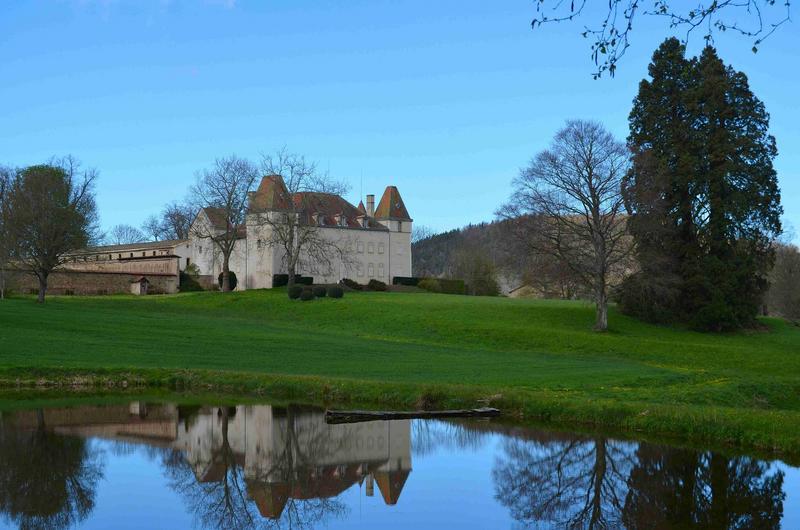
(437, 255)
(442, 255)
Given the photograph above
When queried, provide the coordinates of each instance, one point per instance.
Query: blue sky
(444, 99)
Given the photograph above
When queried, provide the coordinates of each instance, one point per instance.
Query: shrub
(652, 299)
(231, 278)
(452, 286)
(319, 291)
(430, 284)
(304, 280)
(188, 283)
(306, 295)
(376, 285)
(295, 291)
(335, 291)
(351, 284)
(406, 280)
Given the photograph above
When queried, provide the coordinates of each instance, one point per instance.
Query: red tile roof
(390, 484)
(273, 195)
(216, 217)
(391, 206)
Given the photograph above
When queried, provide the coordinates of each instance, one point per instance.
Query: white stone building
(375, 241)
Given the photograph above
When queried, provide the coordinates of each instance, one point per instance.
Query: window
(381, 248)
(371, 270)
(371, 248)
(131, 254)
(154, 253)
(360, 268)
(399, 226)
(380, 270)
(360, 247)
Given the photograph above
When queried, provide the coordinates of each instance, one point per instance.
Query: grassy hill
(532, 357)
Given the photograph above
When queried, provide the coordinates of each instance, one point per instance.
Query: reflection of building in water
(284, 453)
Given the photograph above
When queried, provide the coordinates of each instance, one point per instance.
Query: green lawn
(742, 387)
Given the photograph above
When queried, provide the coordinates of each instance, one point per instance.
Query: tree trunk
(601, 312)
(290, 268)
(42, 288)
(226, 273)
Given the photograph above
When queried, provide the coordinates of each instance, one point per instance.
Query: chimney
(371, 205)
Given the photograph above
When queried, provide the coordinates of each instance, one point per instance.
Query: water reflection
(46, 480)
(594, 483)
(259, 466)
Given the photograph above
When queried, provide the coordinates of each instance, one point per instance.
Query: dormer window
(316, 218)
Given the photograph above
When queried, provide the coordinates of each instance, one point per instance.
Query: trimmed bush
(376, 285)
(279, 280)
(295, 291)
(304, 280)
(430, 284)
(231, 279)
(306, 295)
(335, 291)
(351, 284)
(319, 291)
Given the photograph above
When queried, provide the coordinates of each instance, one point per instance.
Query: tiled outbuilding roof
(144, 245)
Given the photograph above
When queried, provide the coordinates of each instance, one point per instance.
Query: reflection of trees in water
(46, 480)
(428, 436)
(226, 501)
(681, 488)
(574, 483)
(599, 484)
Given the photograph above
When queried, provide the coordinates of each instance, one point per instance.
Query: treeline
(679, 223)
(490, 258)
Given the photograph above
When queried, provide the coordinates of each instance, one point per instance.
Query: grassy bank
(534, 359)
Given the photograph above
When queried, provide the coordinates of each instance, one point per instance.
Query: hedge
(279, 280)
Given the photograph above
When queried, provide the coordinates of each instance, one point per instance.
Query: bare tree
(6, 179)
(783, 296)
(568, 483)
(292, 225)
(174, 222)
(569, 198)
(222, 192)
(610, 34)
(125, 234)
(53, 212)
(420, 232)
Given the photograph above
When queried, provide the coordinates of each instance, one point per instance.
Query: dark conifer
(703, 194)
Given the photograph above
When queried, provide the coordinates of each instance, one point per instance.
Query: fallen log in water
(356, 416)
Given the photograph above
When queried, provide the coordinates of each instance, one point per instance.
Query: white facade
(375, 247)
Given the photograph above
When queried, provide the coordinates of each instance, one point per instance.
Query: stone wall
(90, 283)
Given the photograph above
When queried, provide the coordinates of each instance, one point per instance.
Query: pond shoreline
(769, 433)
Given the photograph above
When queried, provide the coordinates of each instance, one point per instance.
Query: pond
(161, 465)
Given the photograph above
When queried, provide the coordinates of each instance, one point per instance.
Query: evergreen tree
(703, 194)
